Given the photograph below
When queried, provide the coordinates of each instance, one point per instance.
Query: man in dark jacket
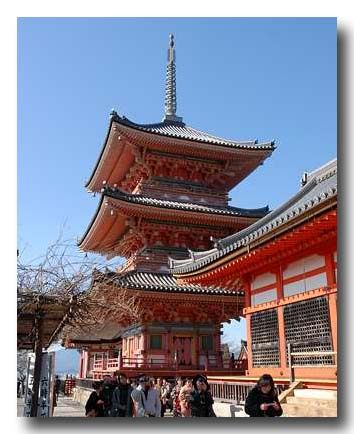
(262, 400)
(95, 403)
(121, 399)
(201, 401)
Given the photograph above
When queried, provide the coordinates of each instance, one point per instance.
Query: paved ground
(67, 407)
(19, 407)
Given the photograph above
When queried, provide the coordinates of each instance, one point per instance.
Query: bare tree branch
(67, 274)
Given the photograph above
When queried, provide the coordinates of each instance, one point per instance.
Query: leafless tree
(64, 273)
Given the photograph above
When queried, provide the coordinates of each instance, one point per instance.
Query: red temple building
(286, 263)
(164, 193)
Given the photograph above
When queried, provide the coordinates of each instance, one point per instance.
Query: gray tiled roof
(161, 283)
(321, 187)
(181, 131)
(186, 206)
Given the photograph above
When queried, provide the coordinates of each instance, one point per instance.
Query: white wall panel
(263, 280)
(264, 297)
(294, 288)
(304, 285)
(303, 265)
(315, 282)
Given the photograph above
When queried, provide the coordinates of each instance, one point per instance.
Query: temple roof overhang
(160, 299)
(112, 218)
(317, 195)
(108, 333)
(148, 283)
(54, 312)
(119, 152)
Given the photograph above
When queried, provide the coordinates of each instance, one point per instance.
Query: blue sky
(237, 78)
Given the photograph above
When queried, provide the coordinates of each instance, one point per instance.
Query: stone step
(316, 393)
(329, 403)
(292, 410)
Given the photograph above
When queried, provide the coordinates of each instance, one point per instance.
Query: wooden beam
(37, 363)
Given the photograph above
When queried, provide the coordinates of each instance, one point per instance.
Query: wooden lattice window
(265, 339)
(307, 329)
(156, 342)
(207, 342)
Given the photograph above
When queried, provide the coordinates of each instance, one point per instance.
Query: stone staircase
(310, 403)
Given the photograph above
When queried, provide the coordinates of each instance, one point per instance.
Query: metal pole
(291, 371)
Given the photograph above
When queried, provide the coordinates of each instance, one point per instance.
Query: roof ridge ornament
(170, 92)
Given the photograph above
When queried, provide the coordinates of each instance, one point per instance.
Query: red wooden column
(196, 340)
(330, 269)
(144, 350)
(332, 298)
(249, 342)
(282, 340)
(281, 324)
(247, 287)
(84, 363)
(332, 304)
(216, 338)
(168, 347)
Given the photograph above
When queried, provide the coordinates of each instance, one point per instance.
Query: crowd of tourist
(119, 396)
(144, 397)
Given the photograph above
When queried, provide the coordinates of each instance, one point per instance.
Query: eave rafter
(116, 218)
(311, 233)
(123, 155)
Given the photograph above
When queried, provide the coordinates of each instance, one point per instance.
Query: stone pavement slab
(67, 407)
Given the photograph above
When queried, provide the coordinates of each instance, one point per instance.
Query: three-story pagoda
(164, 192)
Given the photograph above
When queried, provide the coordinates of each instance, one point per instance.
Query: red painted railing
(128, 363)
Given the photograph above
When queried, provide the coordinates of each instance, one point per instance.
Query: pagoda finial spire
(170, 94)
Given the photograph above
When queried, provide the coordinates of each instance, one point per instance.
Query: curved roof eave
(261, 227)
(196, 136)
(172, 129)
(185, 206)
(101, 154)
(81, 240)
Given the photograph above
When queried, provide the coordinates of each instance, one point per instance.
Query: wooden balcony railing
(235, 392)
(111, 365)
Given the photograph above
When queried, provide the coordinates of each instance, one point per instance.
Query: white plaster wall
(303, 265)
(264, 297)
(294, 288)
(263, 280)
(315, 282)
(304, 285)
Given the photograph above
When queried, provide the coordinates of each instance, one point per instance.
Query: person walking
(95, 405)
(175, 397)
(184, 398)
(107, 394)
(201, 401)
(161, 386)
(122, 405)
(57, 386)
(262, 400)
(146, 399)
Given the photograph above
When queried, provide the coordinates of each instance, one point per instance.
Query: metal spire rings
(170, 94)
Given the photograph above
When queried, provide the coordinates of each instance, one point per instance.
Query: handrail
(315, 353)
(291, 354)
(235, 392)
